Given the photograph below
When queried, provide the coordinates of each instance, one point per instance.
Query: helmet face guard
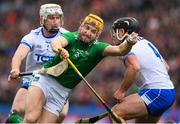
(50, 9)
(129, 24)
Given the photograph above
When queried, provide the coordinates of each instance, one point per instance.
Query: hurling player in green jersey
(48, 94)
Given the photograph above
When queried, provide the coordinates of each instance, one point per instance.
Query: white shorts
(55, 94)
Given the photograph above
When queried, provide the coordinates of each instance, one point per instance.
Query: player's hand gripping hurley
(114, 116)
(56, 70)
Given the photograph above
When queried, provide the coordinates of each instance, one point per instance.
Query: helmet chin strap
(51, 31)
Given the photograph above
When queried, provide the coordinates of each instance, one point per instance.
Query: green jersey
(84, 57)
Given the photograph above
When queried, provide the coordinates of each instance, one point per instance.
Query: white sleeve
(28, 40)
(63, 30)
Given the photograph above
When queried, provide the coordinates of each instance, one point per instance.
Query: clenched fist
(132, 38)
(14, 74)
(63, 53)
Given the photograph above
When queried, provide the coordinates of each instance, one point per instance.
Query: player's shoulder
(141, 40)
(100, 45)
(33, 34)
(98, 42)
(70, 37)
(36, 31)
(70, 34)
(63, 30)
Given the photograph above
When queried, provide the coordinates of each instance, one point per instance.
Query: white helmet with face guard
(50, 9)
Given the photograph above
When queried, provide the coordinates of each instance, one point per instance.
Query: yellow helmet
(99, 23)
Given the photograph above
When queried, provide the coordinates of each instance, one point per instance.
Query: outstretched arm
(130, 76)
(17, 59)
(123, 48)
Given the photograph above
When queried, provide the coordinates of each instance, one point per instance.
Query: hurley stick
(114, 116)
(56, 70)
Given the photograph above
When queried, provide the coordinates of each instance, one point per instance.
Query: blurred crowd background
(159, 20)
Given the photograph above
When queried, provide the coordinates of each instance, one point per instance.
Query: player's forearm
(125, 47)
(130, 76)
(19, 56)
(16, 62)
(58, 42)
(55, 44)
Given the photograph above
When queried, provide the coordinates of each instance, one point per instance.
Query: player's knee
(62, 116)
(120, 112)
(19, 106)
(30, 118)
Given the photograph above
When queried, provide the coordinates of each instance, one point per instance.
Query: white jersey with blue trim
(40, 49)
(153, 73)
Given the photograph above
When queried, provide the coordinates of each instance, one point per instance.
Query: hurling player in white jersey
(146, 66)
(35, 47)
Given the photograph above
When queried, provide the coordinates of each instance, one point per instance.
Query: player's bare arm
(123, 48)
(17, 59)
(59, 43)
(131, 74)
(166, 65)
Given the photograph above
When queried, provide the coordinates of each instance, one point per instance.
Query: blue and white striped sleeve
(28, 40)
